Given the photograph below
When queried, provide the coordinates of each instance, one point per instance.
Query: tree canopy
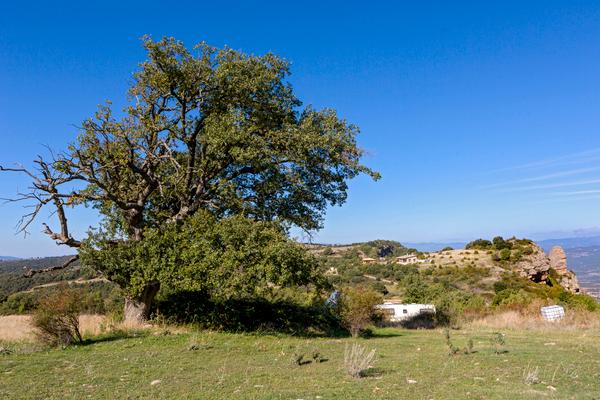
(205, 130)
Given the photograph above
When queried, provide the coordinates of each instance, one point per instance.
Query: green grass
(244, 366)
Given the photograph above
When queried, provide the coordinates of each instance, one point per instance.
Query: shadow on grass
(113, 336)
(373, 372)
(255, 315)
(385, 333)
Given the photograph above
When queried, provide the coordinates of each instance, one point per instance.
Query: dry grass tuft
(357, 360)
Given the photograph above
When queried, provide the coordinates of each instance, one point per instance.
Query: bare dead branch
(31, 272)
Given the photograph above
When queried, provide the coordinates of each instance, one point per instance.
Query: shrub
(379, 288)
(479, 244)
(357, 308)
(505, 254)
(499, 243)
(498, 342)
(447, 248)
(357, 360)
(452, 349)
(57, 318)
(578, 301)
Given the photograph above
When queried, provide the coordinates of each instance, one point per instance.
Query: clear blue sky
(483, 118)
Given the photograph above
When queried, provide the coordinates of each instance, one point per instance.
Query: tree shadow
(386, 333)
(112, 336)
(255, 315)
(373, 372)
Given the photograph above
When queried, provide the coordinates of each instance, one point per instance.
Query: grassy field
(410, 364)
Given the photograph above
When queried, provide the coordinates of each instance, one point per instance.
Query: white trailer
(397, 312)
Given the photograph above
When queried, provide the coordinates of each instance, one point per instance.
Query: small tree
(357, 308)
(57, 318)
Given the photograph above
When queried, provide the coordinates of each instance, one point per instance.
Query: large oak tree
(206, 132)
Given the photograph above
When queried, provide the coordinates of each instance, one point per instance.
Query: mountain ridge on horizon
(430, 246)
(546, 244)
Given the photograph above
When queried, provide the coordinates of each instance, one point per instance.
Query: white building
(407, 259)
(395, 311)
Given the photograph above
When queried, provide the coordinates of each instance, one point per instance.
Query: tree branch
(31, 272)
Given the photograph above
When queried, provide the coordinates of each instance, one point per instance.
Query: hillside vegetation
(20, 294)
(484, 277)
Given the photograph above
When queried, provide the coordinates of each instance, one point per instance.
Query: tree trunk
(137, 309)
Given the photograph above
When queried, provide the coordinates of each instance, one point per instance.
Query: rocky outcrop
(536, 266)
(569, 281)
(558, 260)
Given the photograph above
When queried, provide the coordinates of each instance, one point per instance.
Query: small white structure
(395, 311)
(368, 260)
(552, 313)
(407, 259)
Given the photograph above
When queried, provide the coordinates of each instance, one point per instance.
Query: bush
(499, 243)
(57, 318)
(505, 254)
(579, 301)
(479, 244)
(357, 308)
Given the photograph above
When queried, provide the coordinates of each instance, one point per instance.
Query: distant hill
(435, 246)
(18, 265)
(7, 258)
(569, 243)
(12, 279)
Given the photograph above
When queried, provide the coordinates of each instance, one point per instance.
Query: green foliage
(212, 133)
(578, 301)
(498, 341)
(233, 257)
(479, 244)
(290, 311)
(95, 298)
(357, 308)
(12, 279)
(504, 254)
(447, 248)
(450, 301)
(499, 243)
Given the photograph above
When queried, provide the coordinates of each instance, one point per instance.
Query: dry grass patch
(18, 328)
(573, 321)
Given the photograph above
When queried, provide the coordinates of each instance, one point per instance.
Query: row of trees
(199, 179)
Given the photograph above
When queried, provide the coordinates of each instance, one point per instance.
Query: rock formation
(537, 265)
(558, 260)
